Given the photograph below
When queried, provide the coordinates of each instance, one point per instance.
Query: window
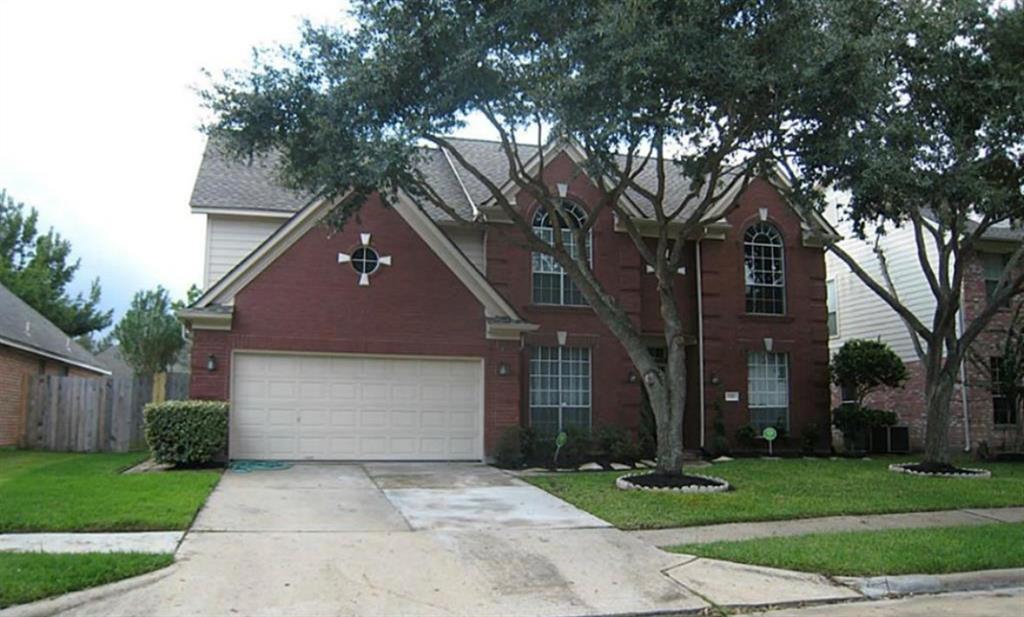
(365, 260)
(764, 270)
(832, 302)
(992, 265)
(559, 389)
(1004, 407)
(768, 389)
(551, 285)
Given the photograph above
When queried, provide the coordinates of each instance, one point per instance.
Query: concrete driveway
(400, 539)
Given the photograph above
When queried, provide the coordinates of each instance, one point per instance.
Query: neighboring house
(404, 336)
(31, 345)
(856, 312)
(111, 358)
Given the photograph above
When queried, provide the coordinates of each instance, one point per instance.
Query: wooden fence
(91, 414)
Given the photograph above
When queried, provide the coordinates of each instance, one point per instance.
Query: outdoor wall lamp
(211, 363)
(631, 378)
(715, 380)
(504, 369)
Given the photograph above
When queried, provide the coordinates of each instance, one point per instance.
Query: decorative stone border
(976, 474)
(621, 483)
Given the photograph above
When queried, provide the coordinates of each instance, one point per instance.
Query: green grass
(873, 553)
(786, 489)
(25, 577)
(55, 491)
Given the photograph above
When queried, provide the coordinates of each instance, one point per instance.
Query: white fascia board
(276, 214)
(205, 320)
(46, 354)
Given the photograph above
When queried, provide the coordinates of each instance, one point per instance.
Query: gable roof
(22, 327)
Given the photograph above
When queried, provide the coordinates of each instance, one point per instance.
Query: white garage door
(352, 407)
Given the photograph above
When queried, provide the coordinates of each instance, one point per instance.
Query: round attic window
(365, 260)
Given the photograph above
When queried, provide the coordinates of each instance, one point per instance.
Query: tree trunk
(938, 394)
(668, 401)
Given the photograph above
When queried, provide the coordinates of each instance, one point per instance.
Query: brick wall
(730, 333)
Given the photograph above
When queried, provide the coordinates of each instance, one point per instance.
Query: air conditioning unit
(890, 440)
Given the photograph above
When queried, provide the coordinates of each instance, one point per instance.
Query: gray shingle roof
(23, 326)
(223, 182)
(227, 183)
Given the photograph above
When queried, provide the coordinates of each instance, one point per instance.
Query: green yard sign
(769, 433)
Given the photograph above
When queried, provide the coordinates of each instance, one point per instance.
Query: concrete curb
(885, 586)
(68, 601)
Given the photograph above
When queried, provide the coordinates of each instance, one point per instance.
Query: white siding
(230, 238)
(470, 242)
(861, 313)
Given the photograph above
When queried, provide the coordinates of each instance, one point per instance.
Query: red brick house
(406, 336)
(32, 345)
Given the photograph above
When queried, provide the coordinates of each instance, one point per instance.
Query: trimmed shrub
(186, 433)
(856, 422)
(615, 444)
(746, 436)
(509, 453)
(578, 447)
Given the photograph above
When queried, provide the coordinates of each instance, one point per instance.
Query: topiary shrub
(862, 366)
(186, 433)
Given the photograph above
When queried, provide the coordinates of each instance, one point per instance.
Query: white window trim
(562, 405)
(782, 260)
(835, 301)
(563, 276)
(789, 387)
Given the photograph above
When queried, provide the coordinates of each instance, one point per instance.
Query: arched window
(764, 270)
(551, 285)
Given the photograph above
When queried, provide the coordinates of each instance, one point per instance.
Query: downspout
(700, 343)
(963, 380)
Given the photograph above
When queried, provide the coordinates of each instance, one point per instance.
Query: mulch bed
(939, 470)
(669, 482)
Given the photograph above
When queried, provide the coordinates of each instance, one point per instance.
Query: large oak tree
(942, 153)
(709, 89)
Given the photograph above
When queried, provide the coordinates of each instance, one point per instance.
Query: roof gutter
(47, 354)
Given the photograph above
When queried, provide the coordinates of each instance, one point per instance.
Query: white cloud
(98, 122)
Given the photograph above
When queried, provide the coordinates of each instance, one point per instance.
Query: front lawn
(936, 550)
(56, 491)
(25, 577)
(786, 489)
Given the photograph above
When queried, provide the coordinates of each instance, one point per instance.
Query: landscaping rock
(620, 466)
(648, 463)
(722, 459)
(590, 467)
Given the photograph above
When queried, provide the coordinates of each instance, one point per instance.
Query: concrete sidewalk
(830, 524)
(135, 542)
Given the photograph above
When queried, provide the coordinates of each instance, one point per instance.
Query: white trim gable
(507, 322)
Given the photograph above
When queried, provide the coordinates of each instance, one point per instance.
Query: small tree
(862, 366)
(149, 335)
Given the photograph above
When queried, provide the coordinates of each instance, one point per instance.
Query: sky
(99, 123)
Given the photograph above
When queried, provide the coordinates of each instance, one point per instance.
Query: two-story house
(980, 413)
(407, 336)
